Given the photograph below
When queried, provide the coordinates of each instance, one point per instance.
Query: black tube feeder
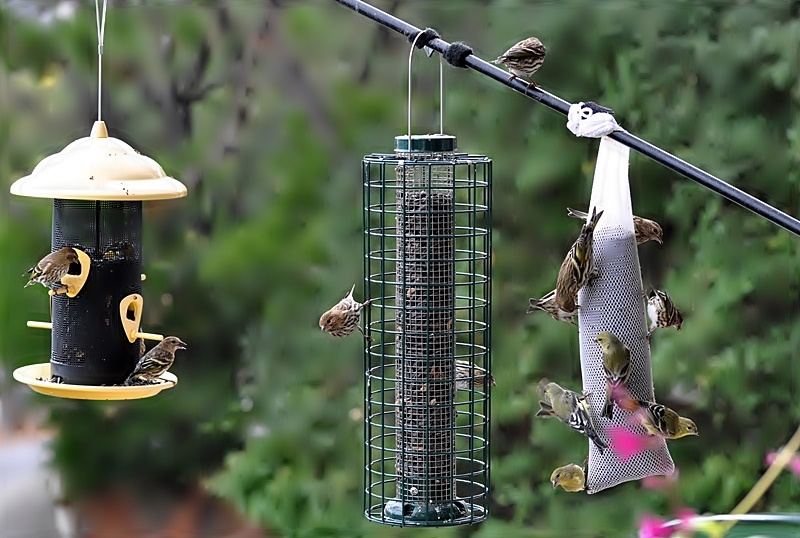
(427, 261)
(97, 185)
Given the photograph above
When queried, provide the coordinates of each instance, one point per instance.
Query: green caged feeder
(427, 262)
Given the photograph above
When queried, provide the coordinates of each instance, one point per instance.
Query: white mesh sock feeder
(614, 303)
(97, 184)
(427, 247)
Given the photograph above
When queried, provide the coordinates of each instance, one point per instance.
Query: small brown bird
(50, 269)
(155, 362)
(523, 59)
(645, 229)
(464, 376)
(662, 312)
(571, 477)
(344, 317)
(578, 266)
(548, 304)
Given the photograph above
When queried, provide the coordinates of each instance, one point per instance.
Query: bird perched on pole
(155, 362)
(578, 266)
(571, 477)
(548, 304)
(617, 368)
(344, 317)
(50, 269)
(523, 59)
(645, 229)
(570, 408)
(659, 420)
(662, 312)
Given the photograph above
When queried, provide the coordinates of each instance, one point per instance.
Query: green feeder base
(416, 513)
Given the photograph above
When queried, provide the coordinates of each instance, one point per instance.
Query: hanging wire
(441, 90)
(410, 57)
(101, 32)
(441, 95)
(711, 182)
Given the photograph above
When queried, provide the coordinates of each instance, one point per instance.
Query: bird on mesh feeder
(548, 304)
(344, 317)
(571, 477)
(155, 362)
(523, 59)
(52, 268)
(662, 312)
(570, 408)
(578, 267)
(645, 229)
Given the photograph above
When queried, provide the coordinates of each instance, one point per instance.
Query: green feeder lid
(429, 143)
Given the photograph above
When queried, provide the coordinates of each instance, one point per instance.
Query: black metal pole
(759, 207)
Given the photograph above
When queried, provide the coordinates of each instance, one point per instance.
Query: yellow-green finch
(570, 408)
(571, 477)
(645, 229)
(617, 368)
(659, 419)
(578, 266)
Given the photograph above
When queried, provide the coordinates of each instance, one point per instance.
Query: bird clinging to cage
(578, 266)
(662, 312)
(571, 477)
(50, 269)
(570, 408)
(344, 317)
(645, 229)
(658, 419)
(616, 366)
(548, 304)
(523, 59)
(155, 362)
(464, 376)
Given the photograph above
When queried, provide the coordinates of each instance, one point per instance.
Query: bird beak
(554, 484)
(182, 344)
(660, 241)
(321, 328)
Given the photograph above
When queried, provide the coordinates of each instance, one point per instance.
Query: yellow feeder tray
(99, 167)
(31, 375)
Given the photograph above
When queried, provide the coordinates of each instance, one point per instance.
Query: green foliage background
(264, 110)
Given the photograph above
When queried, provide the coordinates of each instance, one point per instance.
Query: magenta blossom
(793, 465)
(660, 482)
(654, 527)
(627, 444)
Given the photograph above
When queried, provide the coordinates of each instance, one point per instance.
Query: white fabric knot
(583, 121)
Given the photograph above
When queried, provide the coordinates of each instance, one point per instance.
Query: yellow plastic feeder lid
(99, 168)
(35, 376)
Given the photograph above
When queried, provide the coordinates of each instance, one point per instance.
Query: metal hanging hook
(101, 31)
(441, 90)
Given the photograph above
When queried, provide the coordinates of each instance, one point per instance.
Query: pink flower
(627, 444)
(653, 527)
(686, 515)
(793, 465)
(659, 482)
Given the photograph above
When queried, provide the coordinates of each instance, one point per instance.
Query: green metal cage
(427, 264)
